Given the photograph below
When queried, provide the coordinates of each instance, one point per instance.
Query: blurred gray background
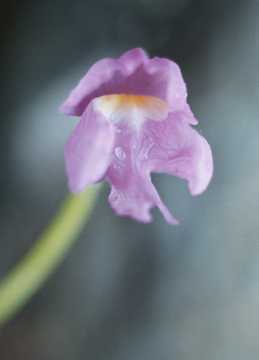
(126, 290)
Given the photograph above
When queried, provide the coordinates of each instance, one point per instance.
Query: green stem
(28, 275)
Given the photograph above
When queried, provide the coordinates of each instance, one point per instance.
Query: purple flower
(135, 120)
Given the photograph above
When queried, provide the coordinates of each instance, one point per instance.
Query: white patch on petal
(132, 108)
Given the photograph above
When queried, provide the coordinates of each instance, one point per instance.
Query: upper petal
(174, 147)
(106, 76)
(132, 73)
(93, 84)
(162, 78)
(88, 150)
(133, 58)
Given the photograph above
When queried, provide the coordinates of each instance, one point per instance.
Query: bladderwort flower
(135, 120)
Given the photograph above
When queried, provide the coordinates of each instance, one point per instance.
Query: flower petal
(174, 147)
(93, 84)
(133, 58)
(136, 200)
(132, 192)
(161, 78)
(106, 76)
(88, 150)
(132, 73)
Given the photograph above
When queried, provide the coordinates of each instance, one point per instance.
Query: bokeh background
(126, 290)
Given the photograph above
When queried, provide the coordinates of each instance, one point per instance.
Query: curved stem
(42, 259)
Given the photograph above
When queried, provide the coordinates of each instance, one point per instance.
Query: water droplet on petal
(120, 153)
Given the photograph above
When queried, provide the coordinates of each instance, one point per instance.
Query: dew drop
(120, 153)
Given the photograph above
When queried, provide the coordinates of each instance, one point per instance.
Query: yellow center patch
(135, 108)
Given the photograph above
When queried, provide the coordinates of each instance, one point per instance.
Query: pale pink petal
(106, 76)
(174, 147)
(132, 73)
(161, 78)
(96, 82)
(88, 150)
(132, 192)
(133, 58)
(137, 199)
